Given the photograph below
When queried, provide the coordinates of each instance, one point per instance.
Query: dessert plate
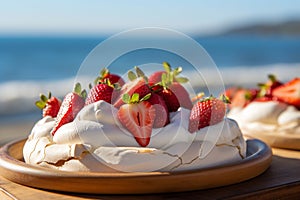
(286, 141)
(12, 167)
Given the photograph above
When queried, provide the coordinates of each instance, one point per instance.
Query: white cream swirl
(271, 117)
(96, 141)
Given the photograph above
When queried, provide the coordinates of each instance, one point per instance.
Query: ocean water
(31, 65)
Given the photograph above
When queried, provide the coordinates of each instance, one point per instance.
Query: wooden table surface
(281, 180)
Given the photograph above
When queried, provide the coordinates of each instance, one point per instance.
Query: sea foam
(19, 96)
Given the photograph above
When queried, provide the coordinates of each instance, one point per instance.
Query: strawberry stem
(138, 73)
(43, 98)
(43, 101)
(171, 76)
(135, 98)
(40, 104)
(146, 97)
(225, 99)
(167, 67)
(77, 90)
(126, 98)
(131, 76)
(272, 78)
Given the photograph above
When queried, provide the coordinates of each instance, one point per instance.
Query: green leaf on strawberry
(168, 86)
(49, 105)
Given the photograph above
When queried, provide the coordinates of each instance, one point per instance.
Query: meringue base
(96, 141)
(12, 167)
(79, 157)
(276, 123)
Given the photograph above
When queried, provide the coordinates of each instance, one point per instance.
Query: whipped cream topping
(96, 141)
(271, 117)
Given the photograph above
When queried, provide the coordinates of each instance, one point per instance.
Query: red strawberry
(267, 88)
(208, 111)
(242, 97)
(230, 92)
(49, 105)
(155, 77)
(138, 84)
(161, 110)
(137, 117)
(289, 92)
(71, 105)
(264, 99)
(99, 92)
(174, 94)
(113, 78)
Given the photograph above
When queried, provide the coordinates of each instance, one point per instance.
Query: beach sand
(13, 131)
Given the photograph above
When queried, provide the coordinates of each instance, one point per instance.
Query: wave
(19, 96)
(250, 76)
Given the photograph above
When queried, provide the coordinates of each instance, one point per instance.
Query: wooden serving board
(286, 141)
(259, 157)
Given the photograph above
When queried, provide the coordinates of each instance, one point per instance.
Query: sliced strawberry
(50, 105)
(99, 92)
(138, 118)
(289, 92)
(71, 105)
(208, 111)
(161, 111)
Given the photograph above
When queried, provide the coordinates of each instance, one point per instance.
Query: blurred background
(43, 43)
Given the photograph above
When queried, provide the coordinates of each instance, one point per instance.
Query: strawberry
(242, 97)
(155, 77)
(266, 89)
(137, 116)
(231, 92)
(172, 91)
(208, 111)
(176, 96)
(49, 105)
(289, 92)
(138, 84)
(264, 99)
(71, 105)
(161, 110)
(113, 78)
(101, 91)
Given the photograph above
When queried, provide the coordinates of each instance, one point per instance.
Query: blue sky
(103, 16)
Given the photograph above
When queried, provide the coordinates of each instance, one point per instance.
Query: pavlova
(269, 112)
(145, 124)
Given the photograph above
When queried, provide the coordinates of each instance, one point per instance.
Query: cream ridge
(270, 117)
(96, 141)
